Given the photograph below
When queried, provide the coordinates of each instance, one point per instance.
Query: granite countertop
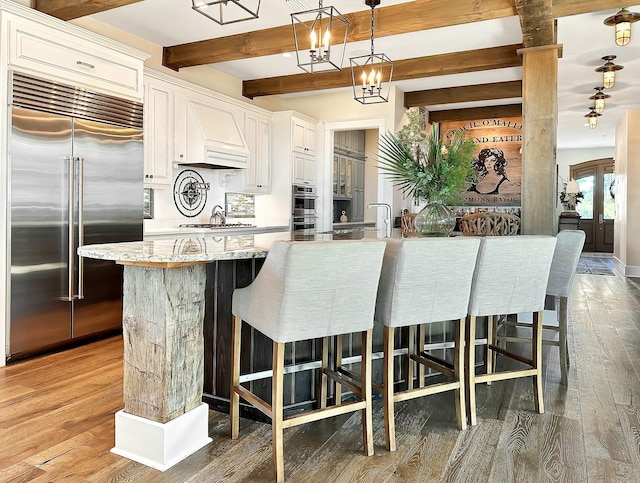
(197, 248)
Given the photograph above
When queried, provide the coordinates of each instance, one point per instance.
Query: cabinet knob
(181, 156)
(146, 175)
(150, 176)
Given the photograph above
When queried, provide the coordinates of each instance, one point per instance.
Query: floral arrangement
(423, 165)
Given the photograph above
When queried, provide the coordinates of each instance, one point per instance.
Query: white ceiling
(585, 41)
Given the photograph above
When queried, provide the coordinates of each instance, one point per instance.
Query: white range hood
(214, 139)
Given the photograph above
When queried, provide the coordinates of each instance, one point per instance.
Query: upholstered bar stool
(424, 280)
(569, 244)
(309, 290)
(511, 277)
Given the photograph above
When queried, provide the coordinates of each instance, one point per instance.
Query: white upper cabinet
(47, 47)
(158, 133)
(257, 134)
(304, 137)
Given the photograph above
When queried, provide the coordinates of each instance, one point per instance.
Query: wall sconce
(313, 32)
(622, 22)
(371, 74)
(593, 117)
(599, 98)
(609, 71)
(227, 11)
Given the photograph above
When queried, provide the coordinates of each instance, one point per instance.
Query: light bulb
(327, 37)
(609, 78)
(593, 121)
(313, 40)
(599, 105)
(623, 33)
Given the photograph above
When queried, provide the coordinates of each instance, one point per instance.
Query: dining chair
(510, 277)
(569, 244)
(408, 225)
(424, 280)
(309, 290)
(490, 223)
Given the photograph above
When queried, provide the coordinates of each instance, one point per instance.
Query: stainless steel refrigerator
(75, 178)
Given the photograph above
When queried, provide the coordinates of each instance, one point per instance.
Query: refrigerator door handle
(80, 227)
(71, 244)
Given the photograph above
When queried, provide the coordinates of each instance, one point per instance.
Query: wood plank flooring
(57, 424)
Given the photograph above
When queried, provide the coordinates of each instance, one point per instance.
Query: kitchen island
(176, 331)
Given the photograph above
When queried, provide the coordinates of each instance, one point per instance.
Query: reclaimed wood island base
(164, 419)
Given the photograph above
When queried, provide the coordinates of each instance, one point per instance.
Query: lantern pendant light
(227, 11)
(599, 99)
(320, 36)
(593, 118)
(609, 71)
(371, 74)
(622, 22)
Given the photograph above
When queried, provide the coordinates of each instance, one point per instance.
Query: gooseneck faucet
(387, 219)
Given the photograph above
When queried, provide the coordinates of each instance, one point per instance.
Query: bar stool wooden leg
(367, 391)
(338, 358)
(387, 381)
(234, 406)
(421, 336)
(277, 408)
(322, 376)
(410, 362)
(489, 353)
(562, 339)
(536, 356)
(458, 368)
(470, 347)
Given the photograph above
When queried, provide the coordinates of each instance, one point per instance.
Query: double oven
(304, 216)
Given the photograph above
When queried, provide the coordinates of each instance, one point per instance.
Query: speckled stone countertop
(198, 249)
(185, 249)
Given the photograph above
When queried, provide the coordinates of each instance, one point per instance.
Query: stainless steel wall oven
(304, 208)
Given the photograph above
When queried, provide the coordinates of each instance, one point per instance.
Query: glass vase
(435, 219)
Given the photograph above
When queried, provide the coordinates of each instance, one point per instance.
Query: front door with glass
(597, 182)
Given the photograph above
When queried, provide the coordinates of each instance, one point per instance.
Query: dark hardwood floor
(57, 424)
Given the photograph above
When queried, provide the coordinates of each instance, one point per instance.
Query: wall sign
(497, 161)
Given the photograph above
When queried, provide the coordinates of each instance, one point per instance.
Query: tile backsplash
(240, 205)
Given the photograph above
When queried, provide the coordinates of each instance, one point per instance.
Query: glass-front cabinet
(341, 176)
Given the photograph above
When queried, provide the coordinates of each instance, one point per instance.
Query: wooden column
(539, 121)
(163, 313)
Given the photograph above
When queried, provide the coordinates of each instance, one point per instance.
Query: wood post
(539, 121)
(163, 313)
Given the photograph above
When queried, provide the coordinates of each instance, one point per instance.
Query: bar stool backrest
(313, 289)
(569, 244)
(426, 280)
(511, 275)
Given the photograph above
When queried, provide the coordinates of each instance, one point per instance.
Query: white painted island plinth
(164, 419)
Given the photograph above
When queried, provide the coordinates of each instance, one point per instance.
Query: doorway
(597, 183)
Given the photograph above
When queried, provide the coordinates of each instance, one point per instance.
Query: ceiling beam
(565, 8)
(536, 22)
(394, 20)
(70, 9)
(489, 112)
(433, 65)
(449, 95)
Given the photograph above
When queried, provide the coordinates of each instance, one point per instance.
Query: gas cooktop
(218, 225)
